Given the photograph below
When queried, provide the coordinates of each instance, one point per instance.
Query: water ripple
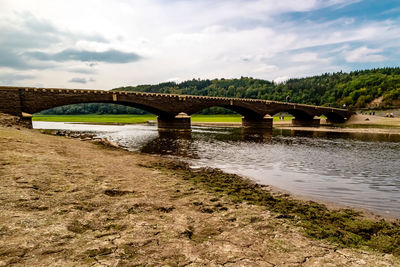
(356, 170)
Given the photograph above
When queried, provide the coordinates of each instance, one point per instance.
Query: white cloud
(308, 57)
(92, 46)
(188, 39)
(341, 3)
(281, 79)
(364, 54)
(266, 68)
(174, 79)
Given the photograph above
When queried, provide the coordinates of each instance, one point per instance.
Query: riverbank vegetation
(358, 89)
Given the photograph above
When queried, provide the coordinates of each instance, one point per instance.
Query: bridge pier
(306, 123)
(335, 120)
(26, 120)
(257, 123)
(180, 122)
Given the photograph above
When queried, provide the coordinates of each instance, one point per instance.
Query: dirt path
(373, 119)
(65, 202)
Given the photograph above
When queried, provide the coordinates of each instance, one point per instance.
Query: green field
(95, 118)
(128, 118)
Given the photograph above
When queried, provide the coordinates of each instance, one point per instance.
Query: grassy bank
(127, 118)
(95, 118)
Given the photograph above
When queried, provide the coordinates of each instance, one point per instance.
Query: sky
(104, 44)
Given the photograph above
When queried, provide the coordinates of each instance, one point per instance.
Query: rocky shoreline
(82, 136)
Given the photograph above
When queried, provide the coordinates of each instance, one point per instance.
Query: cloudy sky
(107, 44)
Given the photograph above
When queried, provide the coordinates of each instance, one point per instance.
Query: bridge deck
(168, 107)
(180, 96)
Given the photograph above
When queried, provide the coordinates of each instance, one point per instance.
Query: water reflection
(182, 143)
(259, 136)
(171, 143)
(348, 168)
(367, 136)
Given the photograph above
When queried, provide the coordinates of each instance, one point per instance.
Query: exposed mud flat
(69, 202)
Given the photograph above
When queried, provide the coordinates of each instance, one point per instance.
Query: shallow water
(358, 170)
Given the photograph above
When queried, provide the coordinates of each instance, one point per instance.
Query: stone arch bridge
(173, 111)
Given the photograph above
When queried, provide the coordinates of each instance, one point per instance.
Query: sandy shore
(66, 202)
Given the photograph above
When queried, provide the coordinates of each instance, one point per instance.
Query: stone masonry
(173, 111)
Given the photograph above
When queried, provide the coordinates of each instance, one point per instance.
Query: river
(355, 170)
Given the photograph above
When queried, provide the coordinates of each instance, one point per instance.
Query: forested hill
(355, 89)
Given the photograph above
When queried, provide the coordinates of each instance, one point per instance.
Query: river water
(356, 170)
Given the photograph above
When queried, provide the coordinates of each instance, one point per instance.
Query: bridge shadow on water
(171, 143)
(186, 144)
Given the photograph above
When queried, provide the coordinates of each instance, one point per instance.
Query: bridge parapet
(15, 100)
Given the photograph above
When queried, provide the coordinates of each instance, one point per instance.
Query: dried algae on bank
(69, 202)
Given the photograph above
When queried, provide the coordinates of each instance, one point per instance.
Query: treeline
(92, 108)
(355, 89)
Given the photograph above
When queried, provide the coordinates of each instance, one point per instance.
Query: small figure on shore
(344, 105)
(391, 115)
(287, 99)
(373, 113)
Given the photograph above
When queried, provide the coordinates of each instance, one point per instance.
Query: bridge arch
(146, 108)
(335, 117)
(304, 115)
(299, 114)
(36, 101)
(172, 110)
(247, 112)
